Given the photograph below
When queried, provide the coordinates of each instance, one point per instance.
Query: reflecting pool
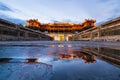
(45, 60)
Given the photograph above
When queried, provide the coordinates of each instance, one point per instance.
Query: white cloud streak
(61, 10)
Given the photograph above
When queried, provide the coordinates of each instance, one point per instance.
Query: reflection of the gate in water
(109, 54)
(86, 57)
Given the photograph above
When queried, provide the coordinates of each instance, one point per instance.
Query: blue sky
(59, 10)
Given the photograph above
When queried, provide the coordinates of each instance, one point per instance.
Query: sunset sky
(46, 11)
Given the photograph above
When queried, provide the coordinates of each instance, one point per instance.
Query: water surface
(60, 60)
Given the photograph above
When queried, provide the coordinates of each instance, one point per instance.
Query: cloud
(3, 7)
(4, 14)
(14, 20)
(63, 10)
(103, 10)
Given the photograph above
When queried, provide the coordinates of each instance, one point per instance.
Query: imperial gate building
(61, 31)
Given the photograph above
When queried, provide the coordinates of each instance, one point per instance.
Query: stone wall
(109, 31)
(11, 31)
